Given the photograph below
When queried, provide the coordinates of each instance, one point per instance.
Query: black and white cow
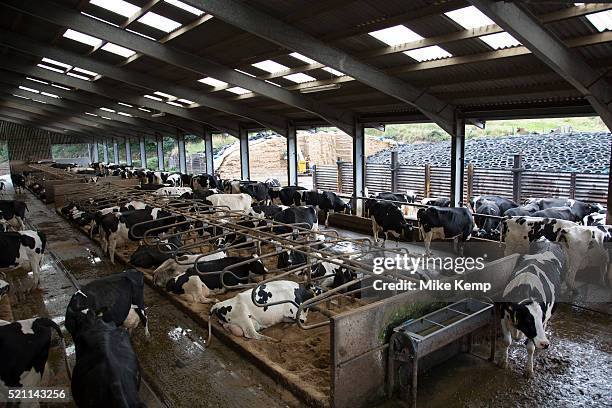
(118, 298)
(107, 372)
(558, 213)
(579, 209)
(595, 219)
(387, 218)
(19, 182)
(241, 317)
(454, 223)
(519, 232)
(522, 211)
(172, 191)
(330, 275)
(488, 226)
(330, 203)
(504, 204)
(436, 202)
(530, 296)
(206, 272)
(267, 211)
(259, 192)
(172, 267)
(14, 211)
(290, 258)
(285, 195)
(302, 217)
(204, 181)
(23, 249)
(24, 349)
(153, 256)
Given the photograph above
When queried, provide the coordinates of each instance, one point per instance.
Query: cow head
(528, 317)
(257, 266)
(344, 275)
(290, 259)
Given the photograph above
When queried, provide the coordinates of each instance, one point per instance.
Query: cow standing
(388, 219)
(23, 249)
(454, 223)
(14, 211)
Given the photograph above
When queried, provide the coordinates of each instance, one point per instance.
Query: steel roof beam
(517, 20)
(163, 52)
(246, 18)
(38, 125)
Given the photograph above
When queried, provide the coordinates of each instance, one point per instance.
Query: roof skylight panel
(469, 17)
(82, 38)
(117, 6)
(164, 95)
(174, 104)
(54, 62)
(90, 114)
(299, 78)
(212, 81)
(500, 40)
(50, 95)
(159, 22)
(237, 90)
(84, 71)
(244, 72)
(185, 101)
(25, 88)
(61, 87)
(83, 77)
(108, 110)
(141, 34)
(428, 53)
(602, 20)
(118, 50)
(61, 71)
(272, 83)
(186, 7)
(125, 104)
(155, 98)
(37, 80)
(396, 35)
(333, 71)
(19, 96)
(270, 66)
(144, 109)
(124, 114)
(302, 58)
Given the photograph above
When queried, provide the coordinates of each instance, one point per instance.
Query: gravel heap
(572, 152)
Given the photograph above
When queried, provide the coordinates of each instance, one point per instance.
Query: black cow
(329, 202)
(386, 217)
(149, 186)
(24, 349)
(267, 211)
(558, 213)
(151, 256)
(307, 197)
(285, 195)
(522, 211)
(488, 226)
(13, 211)
(259, 192)
(504, 204)
(119, 298)
(436, 202)
(107, 372)
(19, 182)
(304, 217)
(445, 223)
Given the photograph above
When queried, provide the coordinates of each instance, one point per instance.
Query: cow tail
(52, 325)
(210, 316)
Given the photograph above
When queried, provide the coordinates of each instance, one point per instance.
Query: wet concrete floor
(177, 370)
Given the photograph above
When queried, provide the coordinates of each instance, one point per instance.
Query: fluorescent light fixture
(117, 49)
(50, 68)
(212, 81)
(396, 35)
(144, 109)
(320, 88)
(469, 17)
(82, 38)
(37, 80)
(272, 83)
(186, 7)
(124, 114)
(333, 71)
(299, 78)
(428, 53)
(270, 66)
(187, 101)
(500, 40)
(90, 114)
(72, 74)
(303, 58)
(174, 104)
(19, 96)
(84, 71)
(155, 98)
(140, 34)
(243, 72)
(50, 95)
(117, 6)
(159, 22)
(25, 88)
(107, 110)
(54, 62)
(61, 87)
(164, 95)
(237, 90)
(125, 104)
(602, 20)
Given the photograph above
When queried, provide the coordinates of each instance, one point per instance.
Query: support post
(128, 152)
(208, 151)
(292, 156)
(358, 167)
(182, 153)
(457, 162)
(394, 170)
(517, 170)
(160, 151)
(116, 151)
(244, 154)
(96, 154)
(470, 180)
(105, 146)
(89, 151)
(427, 182)
(143, 153)
(609, 201)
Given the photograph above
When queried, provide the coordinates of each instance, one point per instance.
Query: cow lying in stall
(174, 267)
(530, 296)
(242, 318)
(23, 249)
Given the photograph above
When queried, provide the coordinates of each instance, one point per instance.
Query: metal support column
(244, 154)
(143, 152)
(457, 162)
(182, 153)
(208, 151)
(160, 151)
(358, 167)
(116, 151)
(105, 146)
(609, 202)
(96, 154)
(128, 152)
(292, 159)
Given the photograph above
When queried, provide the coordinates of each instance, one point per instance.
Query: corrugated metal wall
(411, 178)
(29, 144)
(327, 178)
(378, 178)
(492, 181)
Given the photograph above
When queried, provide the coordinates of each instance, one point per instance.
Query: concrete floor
(177, 370)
